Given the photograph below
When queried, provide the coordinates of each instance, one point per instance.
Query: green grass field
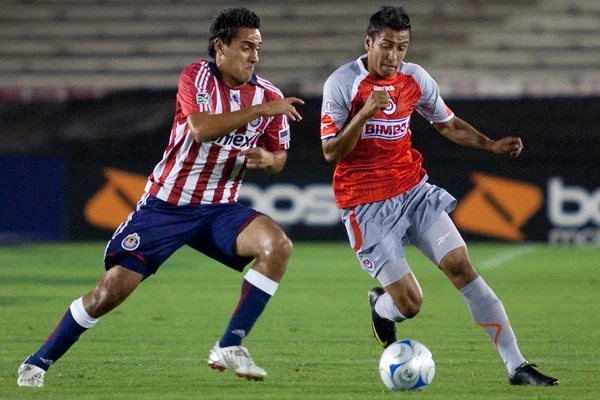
(314, 338)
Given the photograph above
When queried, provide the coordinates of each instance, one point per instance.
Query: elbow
(332, 158)
(196, 132)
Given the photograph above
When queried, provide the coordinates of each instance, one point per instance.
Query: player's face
(386, 52)
(237, 59)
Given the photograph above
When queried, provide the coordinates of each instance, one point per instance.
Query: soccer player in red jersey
(383, 192)
(227, 119)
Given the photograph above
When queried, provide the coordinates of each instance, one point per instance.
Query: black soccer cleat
(527, 375)
(384, 330)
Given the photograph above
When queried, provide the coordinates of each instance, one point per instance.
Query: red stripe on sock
(56, 328)
(497, 332)
(246, 287)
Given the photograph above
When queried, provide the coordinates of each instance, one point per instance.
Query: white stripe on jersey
(205, 75)
(269, 85)
(184, 150)
(217, 172)
(259, 95)
(219, 105)
(239, 163)
(160, 167)
(201, 72)
(192, 178)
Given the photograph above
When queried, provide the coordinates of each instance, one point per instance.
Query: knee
(458, 267)
(278, 249)
(100, 301)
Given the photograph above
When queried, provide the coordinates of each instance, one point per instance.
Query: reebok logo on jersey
(387, 88)
(386, 129)
(498, 207)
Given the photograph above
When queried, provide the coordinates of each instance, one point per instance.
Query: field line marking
(503, 257)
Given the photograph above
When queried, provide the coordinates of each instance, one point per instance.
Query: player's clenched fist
(282, 106)
(257, 157)
(377, 100)
(508, 145)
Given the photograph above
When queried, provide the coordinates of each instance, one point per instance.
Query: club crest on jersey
(391, 108)
(131, 242)
(389, 129)
(255, 123)
(203, 98)
(368, 264)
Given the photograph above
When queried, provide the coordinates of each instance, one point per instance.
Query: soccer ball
(406, 365)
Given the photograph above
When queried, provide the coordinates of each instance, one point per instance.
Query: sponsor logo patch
(386, 129)
(203, 98)
(284, 136)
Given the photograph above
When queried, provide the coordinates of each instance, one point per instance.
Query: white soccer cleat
(237, 359)
(30, 375)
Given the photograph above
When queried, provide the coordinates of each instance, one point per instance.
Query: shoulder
(344, 76)
(416, 71)
(195, 71)
(271, 91)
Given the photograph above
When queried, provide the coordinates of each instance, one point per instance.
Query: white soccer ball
(406, 365)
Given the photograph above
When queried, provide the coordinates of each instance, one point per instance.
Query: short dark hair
(391, 17)
(226, 23)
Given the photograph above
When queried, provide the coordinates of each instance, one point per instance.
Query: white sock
(262, 282)
(386, 308)
(488, 312)
(80, 315)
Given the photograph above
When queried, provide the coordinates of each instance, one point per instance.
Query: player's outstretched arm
(260, 158)
(339, 146)
(206, 126)
(462, 133)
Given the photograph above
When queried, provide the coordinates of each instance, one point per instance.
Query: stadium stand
(472, 47)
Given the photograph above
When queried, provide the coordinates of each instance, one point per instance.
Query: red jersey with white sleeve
(383, 164)
(211, 172)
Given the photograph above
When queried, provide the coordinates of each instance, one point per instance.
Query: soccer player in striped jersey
(383, 192)
(227, 119)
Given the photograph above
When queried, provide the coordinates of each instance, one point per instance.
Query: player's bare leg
(114, 287)
(400, 300)
(488, 312)
(271, 248)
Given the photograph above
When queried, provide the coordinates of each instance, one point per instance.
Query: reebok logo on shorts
(442, 238)
(498, 207)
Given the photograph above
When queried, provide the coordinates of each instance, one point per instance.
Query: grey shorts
(379, 231)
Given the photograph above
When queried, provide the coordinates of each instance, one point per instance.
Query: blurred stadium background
(87, 90)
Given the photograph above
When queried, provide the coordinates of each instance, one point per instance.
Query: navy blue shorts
(157, 229)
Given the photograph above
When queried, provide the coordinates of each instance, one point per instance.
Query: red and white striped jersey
(211, 172)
